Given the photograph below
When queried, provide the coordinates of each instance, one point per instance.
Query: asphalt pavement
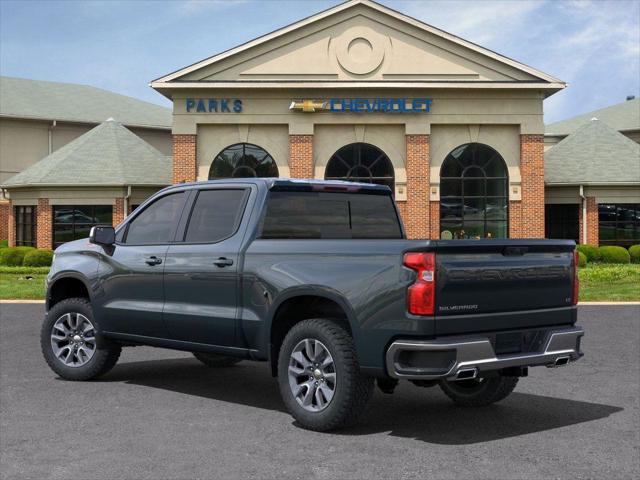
(160, 414)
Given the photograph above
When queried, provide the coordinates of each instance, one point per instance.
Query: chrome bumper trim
(477, 352)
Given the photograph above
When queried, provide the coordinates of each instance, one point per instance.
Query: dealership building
(364, 93)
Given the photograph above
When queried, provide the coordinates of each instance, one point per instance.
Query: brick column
(5, 208)
(593, 226)
(11, 226)
(435, 220)
(532, 174)
(118, 212)
(515, 219)
(44, 226)
(185, 163)
(301, 156)
(417, 225)
(402, 210)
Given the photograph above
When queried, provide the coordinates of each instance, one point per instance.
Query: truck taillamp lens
(421, 295)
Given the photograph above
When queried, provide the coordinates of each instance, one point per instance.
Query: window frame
(486, 198)
(244, 148)
(185, 197)
(74, 224)
(358, 148)
(181, 234)
(617, 225)
(32, 225)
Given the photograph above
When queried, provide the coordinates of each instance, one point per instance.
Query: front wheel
(479, 391)
(319, 376)
(69, 344)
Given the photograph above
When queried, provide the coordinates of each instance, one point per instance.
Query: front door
(202, 268)
(133, 288)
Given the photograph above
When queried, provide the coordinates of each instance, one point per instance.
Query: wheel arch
(297, 305)
(65, 286)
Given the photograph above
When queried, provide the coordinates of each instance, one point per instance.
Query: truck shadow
(411, 412)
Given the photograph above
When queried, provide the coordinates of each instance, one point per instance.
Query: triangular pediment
(358, 41)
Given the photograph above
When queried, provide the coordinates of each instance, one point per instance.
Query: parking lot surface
(161, 414)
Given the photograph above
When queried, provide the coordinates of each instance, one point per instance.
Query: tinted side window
(299, 215)
(215, 215)
(373, 216)
(157, 222)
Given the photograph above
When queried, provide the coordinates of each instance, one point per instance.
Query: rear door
(202, 268)
(495, 285)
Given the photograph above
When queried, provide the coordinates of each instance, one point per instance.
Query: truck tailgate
(503, 284)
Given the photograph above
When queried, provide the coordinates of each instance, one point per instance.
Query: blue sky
(122, 45)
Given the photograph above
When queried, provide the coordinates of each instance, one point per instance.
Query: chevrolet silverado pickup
(318, 279)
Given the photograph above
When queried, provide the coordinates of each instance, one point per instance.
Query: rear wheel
(69, 344)
(214, 360)
(479, 391)
(319, 376)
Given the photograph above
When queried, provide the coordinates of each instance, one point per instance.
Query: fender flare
(315, 291)
(64, 275)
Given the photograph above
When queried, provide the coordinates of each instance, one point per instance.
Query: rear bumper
(459, 357)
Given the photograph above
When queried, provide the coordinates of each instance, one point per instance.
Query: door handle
(223, 262)
(153, 261)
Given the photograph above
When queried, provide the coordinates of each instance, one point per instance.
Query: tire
(215, 361)
(104, 354)
(479, 392)
(340, 391)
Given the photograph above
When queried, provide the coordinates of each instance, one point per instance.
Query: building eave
(81, 122)
(345, 84)
(88, 185)
(591, 184)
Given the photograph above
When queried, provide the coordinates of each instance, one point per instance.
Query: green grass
(609, 283)
(598, 282)
(22, 283)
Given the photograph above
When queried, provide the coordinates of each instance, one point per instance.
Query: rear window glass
(299, 215)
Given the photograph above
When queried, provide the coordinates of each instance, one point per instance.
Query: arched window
(474, 193)
(243, 160)
(361, 162)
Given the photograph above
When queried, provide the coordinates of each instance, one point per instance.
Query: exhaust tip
(562, 361)
(466, 374)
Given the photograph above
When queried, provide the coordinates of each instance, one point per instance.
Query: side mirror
(102, 235)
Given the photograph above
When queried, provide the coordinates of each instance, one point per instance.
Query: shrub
(591, 251)
(4, 243)
(582, 260)
(611, 254)
(38, 258)
(634, 253)
(13, 256)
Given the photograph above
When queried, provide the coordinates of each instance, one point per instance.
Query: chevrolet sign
(363, 105)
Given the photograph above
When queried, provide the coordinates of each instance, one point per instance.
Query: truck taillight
(421, 296)
(576, 280)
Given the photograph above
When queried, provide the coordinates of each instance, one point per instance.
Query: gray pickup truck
(318, 279)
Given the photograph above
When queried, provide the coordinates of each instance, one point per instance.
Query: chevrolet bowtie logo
(308, 105)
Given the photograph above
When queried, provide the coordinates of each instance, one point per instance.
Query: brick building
(365, 93)
(40, 118)
(361, 92)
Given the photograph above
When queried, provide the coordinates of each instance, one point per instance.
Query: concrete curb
(21, 301)
(608, 303)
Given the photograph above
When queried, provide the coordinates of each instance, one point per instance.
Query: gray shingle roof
(108, 154)
(621, 116)
(593, 154)
(70, 102)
